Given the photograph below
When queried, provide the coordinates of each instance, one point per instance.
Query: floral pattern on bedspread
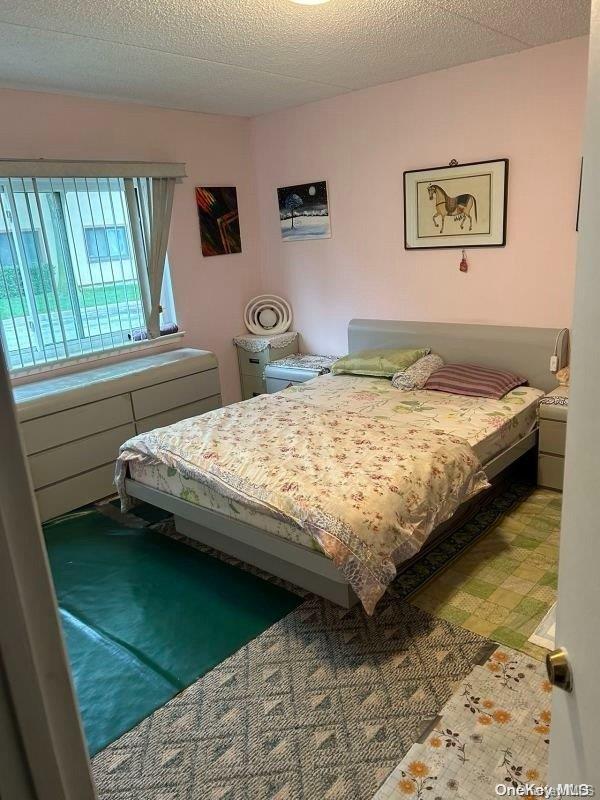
(169, 480)
(369, 491)
(488, 425)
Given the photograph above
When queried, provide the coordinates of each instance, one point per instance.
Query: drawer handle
(254, 360)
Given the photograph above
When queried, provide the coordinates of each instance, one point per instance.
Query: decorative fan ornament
(267, 313)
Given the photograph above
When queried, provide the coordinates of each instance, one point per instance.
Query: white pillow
(416, 376)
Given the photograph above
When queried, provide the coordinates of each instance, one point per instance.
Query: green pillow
(380, 362)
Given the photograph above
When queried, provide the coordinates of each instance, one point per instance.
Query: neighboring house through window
(73, 255)
(104, 244)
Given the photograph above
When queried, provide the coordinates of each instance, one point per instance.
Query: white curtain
(160, 206)
(150, 203)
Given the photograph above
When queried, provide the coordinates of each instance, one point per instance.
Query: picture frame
(219, 220)
(456, 206)
(304, 211)
(579, 195)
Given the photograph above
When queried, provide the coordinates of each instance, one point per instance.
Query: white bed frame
(526, 351)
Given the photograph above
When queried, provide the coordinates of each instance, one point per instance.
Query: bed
(443, 449)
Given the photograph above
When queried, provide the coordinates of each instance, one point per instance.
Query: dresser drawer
(552, 437)
(177, 414)
(75, 423)
(551, 471)
(80, 456)
(179, 392)
(76, 492)
(252, 385)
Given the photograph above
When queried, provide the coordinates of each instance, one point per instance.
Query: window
(8, 253)
(74, 267)
(105, 244)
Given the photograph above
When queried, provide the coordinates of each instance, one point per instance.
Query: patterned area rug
(494, 730)
(321, 706)
(504, 584)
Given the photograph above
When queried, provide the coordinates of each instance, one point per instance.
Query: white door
(575, 739)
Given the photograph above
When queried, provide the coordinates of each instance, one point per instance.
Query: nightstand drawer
(252, 385)
(253, 363)
(295, 369)
(552, 437)
(551, 471)
(277, 384)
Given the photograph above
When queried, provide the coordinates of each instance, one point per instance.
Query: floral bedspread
(488, 425)
(367, 490)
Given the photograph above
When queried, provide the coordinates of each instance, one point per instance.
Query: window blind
(82, 261)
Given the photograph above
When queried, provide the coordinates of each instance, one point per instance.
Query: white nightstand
(553, 430)
(291, 370)
(255, 352)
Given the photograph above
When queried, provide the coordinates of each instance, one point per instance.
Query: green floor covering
(144, 616)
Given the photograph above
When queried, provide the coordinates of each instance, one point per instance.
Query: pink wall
(527, 107)
(210, 293)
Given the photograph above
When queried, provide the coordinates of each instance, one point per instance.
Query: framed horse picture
(462, 205)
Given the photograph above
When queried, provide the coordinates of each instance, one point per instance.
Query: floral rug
(494, 730)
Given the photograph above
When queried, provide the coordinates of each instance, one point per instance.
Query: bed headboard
(526, 351)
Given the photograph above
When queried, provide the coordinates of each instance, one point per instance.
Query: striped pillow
(473, 380)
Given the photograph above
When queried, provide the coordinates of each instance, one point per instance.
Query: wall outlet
(553, 363)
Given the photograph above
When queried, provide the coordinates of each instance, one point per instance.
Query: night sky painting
(219, 220)
(304, 211)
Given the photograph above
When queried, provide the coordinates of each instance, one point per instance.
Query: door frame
(38, 711)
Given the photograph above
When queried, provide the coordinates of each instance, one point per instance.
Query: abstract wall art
(219, 220)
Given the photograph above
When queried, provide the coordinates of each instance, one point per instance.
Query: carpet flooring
(321, 706)
(494, 730)
(504, 584)
(326, 702)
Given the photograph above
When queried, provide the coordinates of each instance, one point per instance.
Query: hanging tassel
(464, 266)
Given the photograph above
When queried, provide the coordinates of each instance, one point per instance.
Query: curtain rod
(50, 168)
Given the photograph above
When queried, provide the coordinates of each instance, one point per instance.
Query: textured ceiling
(248, 57)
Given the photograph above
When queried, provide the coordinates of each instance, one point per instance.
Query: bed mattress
(489, 426)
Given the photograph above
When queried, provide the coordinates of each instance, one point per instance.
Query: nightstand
(255, 352)
(553, 430)
(295, 369)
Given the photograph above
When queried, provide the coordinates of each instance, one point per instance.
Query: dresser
(553, 410)
(72, 426)
(255, 352)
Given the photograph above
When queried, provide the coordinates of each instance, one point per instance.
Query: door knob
(559, 670)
